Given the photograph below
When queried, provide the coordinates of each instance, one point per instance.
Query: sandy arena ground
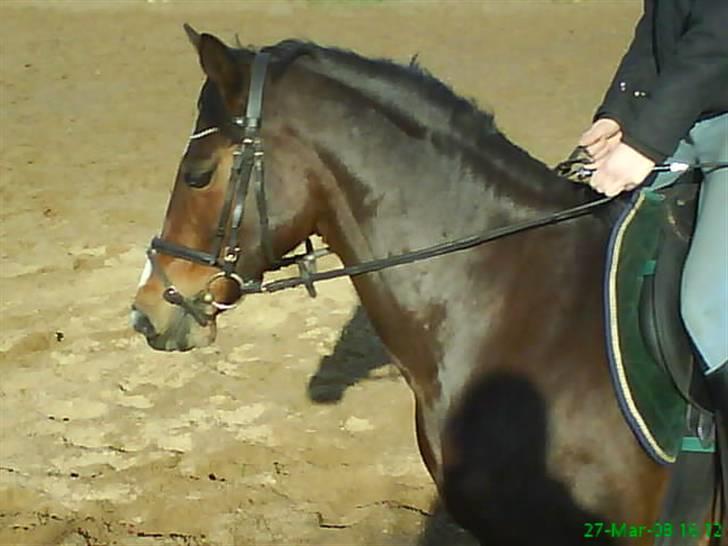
(293, 429)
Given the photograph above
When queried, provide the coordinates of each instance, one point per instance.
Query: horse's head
(227, 222)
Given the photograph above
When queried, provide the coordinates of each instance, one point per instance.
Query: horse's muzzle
(182, 334)
(141, 323)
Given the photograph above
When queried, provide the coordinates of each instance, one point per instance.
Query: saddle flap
(650, 354)
(661, 323)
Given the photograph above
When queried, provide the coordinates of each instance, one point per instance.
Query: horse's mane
(408, 88)
(456, 123)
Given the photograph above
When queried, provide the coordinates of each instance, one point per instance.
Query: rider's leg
(705, 278)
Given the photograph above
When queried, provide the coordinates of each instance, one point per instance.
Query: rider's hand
(624, 168)
(601, 138)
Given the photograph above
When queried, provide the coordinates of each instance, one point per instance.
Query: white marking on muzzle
(146, 273)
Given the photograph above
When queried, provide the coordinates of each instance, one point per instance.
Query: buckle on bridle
(173, 296)
(231, 255)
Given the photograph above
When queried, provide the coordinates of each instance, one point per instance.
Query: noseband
(225, 253)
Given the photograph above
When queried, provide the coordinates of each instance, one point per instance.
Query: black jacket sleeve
(691, 80)
(635, 73)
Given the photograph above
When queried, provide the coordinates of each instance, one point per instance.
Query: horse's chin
(184, 334)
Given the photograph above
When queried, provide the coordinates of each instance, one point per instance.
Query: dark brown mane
(416, 98)
(408, 87)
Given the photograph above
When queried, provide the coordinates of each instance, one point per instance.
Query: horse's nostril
(141, 323)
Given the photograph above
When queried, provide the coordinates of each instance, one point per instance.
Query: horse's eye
(198, 179)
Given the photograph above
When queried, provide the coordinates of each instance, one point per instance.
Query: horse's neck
(390, 192)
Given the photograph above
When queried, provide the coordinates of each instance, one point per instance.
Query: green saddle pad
(647, 396)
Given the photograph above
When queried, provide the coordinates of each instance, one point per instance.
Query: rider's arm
(634, 74)
(691, 82)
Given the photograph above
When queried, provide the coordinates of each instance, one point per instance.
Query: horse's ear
(218, 62)
(192, 35)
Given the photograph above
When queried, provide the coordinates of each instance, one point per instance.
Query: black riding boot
(718, 386)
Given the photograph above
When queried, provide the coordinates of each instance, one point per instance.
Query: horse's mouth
(164, 343)
(182, 333)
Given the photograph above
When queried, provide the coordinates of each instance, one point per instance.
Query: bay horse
(502, 345)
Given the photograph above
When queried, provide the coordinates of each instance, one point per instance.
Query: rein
(578, 166)
(248, 165)
(433, 251)
(582, 173)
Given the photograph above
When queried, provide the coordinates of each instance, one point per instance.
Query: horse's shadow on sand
(499, 406)
(357, 356)
(441, 530)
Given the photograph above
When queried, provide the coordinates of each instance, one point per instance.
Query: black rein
(433, 251)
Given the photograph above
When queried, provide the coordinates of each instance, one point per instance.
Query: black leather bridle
(248, 165)
(225, 253)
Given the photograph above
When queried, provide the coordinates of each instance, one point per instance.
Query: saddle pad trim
(692, 444)
(624, 396)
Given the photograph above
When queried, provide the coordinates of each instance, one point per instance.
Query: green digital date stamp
(600, 529)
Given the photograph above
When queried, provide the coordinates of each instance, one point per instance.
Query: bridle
(248, 165)
(225, 253)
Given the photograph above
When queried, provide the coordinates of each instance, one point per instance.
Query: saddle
(656, 371)
(659, 308)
